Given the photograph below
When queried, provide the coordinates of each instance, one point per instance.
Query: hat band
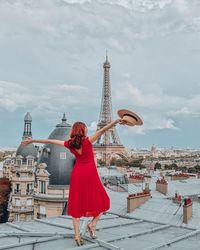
(131, 116)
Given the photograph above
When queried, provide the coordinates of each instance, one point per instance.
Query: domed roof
(25, 151)
(59, 160)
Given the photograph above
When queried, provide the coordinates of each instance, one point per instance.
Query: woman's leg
(76, 223)
(94, 221)
(77, 238)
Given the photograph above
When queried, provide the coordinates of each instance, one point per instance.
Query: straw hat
(130, 117)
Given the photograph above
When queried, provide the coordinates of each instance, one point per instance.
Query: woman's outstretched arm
(29, 140)
(101, 131)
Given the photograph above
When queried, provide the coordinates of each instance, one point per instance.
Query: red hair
(76, 135)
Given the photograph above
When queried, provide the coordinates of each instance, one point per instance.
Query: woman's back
(85, 154)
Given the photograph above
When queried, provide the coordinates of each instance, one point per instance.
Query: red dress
(87, 196)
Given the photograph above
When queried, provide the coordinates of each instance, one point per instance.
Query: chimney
(177, 199)
(136, 200)
(137, 178)
(187, 210)
(146, 188)
(162, 186)
(180, 176)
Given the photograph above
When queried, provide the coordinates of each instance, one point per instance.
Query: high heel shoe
(91, 232)
(78, 240)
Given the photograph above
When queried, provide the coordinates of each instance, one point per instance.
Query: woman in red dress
(87, 196)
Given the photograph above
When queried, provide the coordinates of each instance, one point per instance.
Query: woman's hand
(121, 121)
(27, 141)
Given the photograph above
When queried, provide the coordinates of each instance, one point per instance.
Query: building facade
(39, 176)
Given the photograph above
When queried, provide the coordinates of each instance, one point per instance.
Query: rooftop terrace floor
(114, 232)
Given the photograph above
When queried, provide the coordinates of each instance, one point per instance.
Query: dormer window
(19, 162)
(63, 155)
(43, 187)
(46, 152)
(30, 162)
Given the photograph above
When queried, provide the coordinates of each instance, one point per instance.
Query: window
(43, 187)
(29, 189)
(42, 210)
(62, 155)
(19, 162)
(17, 202)
(17, 217)
(46, 152)
(29, 202)
(17, 186)
(30, 162)
(17, 189)
(29, 217)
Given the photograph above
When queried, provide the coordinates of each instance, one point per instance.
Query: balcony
(41, 216)
(17, 191)
(29, 192)
(21, 209)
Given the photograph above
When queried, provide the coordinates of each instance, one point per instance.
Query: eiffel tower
(109, 143)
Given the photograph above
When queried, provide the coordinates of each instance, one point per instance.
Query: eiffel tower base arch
(106, 153)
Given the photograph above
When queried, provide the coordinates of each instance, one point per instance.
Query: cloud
(157, 124)
(168, 124)
(51, 51)
(115, 44)
(13, 96)
(42, 100)
(139, 131)
(182, 6)
(136, 96)
(93, 126)
(182, 111)
(136, 5)
(57, 18)
(157, 109)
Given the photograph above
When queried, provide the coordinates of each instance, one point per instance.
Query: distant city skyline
(52, 55)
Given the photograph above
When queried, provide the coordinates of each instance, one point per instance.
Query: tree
(158, 165)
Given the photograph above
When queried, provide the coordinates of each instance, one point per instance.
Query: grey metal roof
(114, 232)
(59, 160)
(143, 229)
(24, 151)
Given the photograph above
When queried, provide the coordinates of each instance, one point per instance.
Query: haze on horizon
(52, 54)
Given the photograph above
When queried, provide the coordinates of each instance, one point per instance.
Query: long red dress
(87, 196)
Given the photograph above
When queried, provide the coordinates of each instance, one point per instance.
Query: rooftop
(154, 225)
(157, 224)
(114, 232)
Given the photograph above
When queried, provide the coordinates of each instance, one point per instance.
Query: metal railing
(40, 216)
(16, 191)
(29, 191)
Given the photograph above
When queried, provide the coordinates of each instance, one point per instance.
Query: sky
(51, 61)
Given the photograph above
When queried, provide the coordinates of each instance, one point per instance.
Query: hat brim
(133, 118)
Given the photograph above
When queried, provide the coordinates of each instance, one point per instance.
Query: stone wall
(187, 210)
(136, 200)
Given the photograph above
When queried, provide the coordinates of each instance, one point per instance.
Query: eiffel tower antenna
(109, 142)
